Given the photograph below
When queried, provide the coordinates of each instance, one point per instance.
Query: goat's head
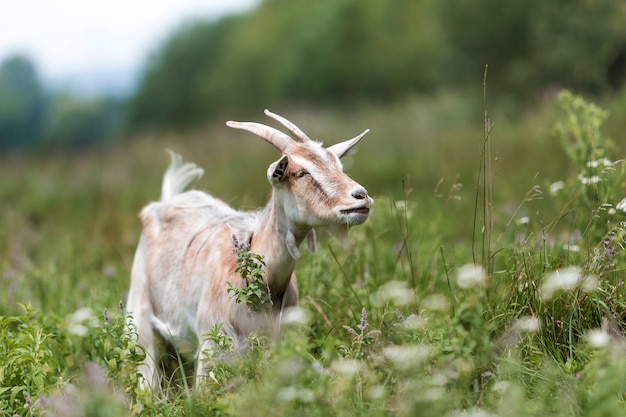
(309, 180)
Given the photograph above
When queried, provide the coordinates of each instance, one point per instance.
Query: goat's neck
(271, 240)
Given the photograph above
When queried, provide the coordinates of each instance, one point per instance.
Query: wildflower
(288, 394)
(609, 250)
(470, 275)
(376, 392)
(347, 367)
(555, 187)
(571, 248)
(296, 316)
(291, 367)
(523, 220)
(604, 162)
(106, 317)
(406, 357)
(239, 246)
(363, 323)
(79, 322)
(567, 279)
(598, 338)
(415, 322)
(351, 330)
(109, 271)
(472, 412)
(213, 377)
(397, 292)
(435, 302)
(621, 205)
(594, 179)
(527, 324)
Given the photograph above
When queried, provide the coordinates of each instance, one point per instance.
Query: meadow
(488, 281)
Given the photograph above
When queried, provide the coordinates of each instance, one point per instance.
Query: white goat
(185, 261)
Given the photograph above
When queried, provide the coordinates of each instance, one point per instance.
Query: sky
(75, 38)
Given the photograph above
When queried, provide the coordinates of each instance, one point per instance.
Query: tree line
(333, 52)
(31, 116)
(338, 51)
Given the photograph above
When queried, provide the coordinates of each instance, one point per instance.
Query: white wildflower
(397, 292)
(500, 387)
(347, 367)
(472, 412)
(571, 248)
(415, 322)
(604, 162)
(79, 322)
(287, 394)
(555, 187)
(213, 377)
(406, 357)
(376, 392)
(523, 220)
(594, 179)
(435, 302)
(598, 338)
(621, 205)
(295, 316)
(567, 279)
(470, 275)
(527, 324)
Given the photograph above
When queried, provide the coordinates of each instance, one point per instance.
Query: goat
(184, 260)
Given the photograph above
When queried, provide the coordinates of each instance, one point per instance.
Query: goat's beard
(340, 233)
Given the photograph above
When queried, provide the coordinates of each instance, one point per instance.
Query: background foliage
(348, 50)
(481, 284)
(489, 279)
(339, 52)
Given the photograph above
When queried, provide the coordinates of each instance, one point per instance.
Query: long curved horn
(300, 136)
(343, 148)
(277, 138)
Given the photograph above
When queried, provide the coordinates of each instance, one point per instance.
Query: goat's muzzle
(359, 212)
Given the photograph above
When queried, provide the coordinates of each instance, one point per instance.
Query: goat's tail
(178, 175)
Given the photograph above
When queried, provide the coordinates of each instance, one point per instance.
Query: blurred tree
(22, 103)
(74, 122)
(340, 51)
(533, 44)
(172, 91)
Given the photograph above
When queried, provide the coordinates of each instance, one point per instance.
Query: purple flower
(363, 324)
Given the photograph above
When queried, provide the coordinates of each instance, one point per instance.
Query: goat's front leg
(215, 348)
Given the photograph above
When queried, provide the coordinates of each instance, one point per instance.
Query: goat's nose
(360, 193)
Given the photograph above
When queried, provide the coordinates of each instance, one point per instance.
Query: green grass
(397, 324)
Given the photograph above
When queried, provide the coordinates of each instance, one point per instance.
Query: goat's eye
(301, 173)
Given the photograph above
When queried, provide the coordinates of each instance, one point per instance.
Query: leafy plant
(255, 292)
(29, 366)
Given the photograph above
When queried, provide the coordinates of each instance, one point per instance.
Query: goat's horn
(300, 136)
(277, 138)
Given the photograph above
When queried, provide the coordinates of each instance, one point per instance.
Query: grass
(488, 280)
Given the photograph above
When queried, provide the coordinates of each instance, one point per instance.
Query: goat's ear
(343, 148)
(278, 171)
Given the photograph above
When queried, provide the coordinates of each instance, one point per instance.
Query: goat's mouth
(359, 210)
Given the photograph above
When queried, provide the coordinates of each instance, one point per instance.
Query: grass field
(489, 280)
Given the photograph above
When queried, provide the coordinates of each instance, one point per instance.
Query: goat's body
(185, 261)
(186, 253)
